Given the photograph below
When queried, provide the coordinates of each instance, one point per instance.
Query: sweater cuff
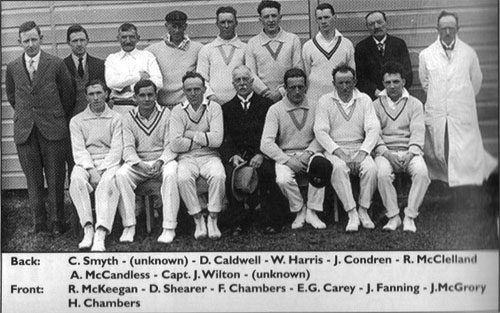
(416, 150)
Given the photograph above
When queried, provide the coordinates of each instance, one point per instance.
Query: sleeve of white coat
(372, 127)
(476, 76)
(423, 72)
(322, 126)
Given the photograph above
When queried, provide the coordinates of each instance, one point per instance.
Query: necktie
(31, 69)
(245, 105)
(80, 67)
(380, 47)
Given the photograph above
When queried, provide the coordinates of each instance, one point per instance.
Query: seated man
(347, 127)
(400, 146)
(288, 139)
(147, 155)
(244, 118)
(96, 139)
(196, 131)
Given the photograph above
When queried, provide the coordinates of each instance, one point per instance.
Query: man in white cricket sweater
(147, 155)
(96, 139)
(196, 131)
(347, 127)
(288, 139)
(400, 146)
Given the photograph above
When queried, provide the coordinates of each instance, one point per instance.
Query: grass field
(459, 219)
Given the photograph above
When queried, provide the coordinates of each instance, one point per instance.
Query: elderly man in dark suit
(244, 118)
(376, 50)
(39, 89)
(82, 66)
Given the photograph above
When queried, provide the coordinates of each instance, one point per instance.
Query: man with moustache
(244, 118)
(451, 76)
(125, 68)
(376, 50)
(39, 89)
(325, 51)
(288, 139)
(176, 54)
(96, 138)
(273, 51)
(347, 128)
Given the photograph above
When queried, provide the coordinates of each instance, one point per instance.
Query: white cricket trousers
(419, 183)
(127, 180)
(107, 197)
(341, 181)
(208, 167)
(285, 179)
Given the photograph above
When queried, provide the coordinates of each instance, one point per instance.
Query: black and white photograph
(250, 156)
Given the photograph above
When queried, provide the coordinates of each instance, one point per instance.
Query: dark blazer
(369, 63)
(47, 102)
(95, 67)
(243, 131)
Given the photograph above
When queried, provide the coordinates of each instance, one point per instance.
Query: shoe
(99, 237)
(39, 228)
(213, 230)
(201, 227)
(313, 220)
(365, 219)
(300, 219)
(88, 237)
(409, 224)
(393, 224)
(128, 234)
(167, 236)
(353, 223)
(237, 231)
(270, 230)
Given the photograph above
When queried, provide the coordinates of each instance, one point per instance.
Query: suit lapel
(42, 67)
(22, 64)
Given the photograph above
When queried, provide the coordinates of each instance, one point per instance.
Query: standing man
(147, 155)
(244, 118)
(176, 54)
(125, 68)
(273, 51)
(288, 139)
(450, 74)
(324, 52)
(96, 138)
(400, 147)
(196, 131)
(39, 89)
(377, 49)
(347, 127)
(82, 66)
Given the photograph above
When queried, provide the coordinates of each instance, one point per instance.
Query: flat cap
(176, 17)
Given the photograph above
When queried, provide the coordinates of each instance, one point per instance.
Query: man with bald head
(244, 117)
(376, 50)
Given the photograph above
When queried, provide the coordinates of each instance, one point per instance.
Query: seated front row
(345, 131)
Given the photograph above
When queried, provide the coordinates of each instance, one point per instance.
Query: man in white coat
(450, 74)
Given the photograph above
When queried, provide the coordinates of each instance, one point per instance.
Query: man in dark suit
(376, 50)
(39, 89)
(82, 66)
(244, 118)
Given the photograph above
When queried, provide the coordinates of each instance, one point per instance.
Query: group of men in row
(280, 141)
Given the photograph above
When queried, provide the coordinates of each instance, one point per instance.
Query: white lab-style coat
(452, 85)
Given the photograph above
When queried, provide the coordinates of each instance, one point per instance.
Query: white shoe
(313, 220)
(167, 236)
(213, 230)
(409, 224)
(128, 234)
(393, 224)
(365, 219)
(88, 237)
(353, 223)
(201, 227)
(99, 237)
(300, 219)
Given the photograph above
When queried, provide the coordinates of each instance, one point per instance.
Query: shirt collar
(355, 94)
(75, 59)
(132, 53)
(136, 113)
(291, 107)
(319, 36)
(265, 39)
(450, 46)
(250, 95)
(205, 102)
(235, 41)
(91, 115)
(405, 94)
(36, 58)
(382, 41)
(182, 46)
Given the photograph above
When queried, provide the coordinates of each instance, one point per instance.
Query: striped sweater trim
(147, 129)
